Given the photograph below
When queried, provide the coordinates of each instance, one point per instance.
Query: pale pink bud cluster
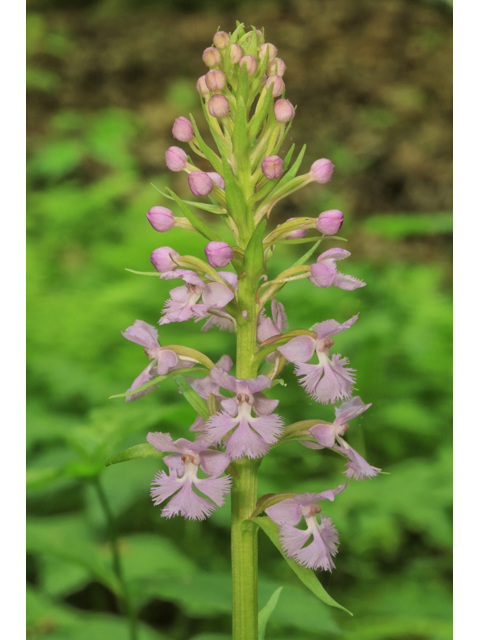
(212, 57)
(176, 158)
(182, 129)
(284, 110)
(200, 183)
(161, 218)
(218, 106)
(250, 63)
(162, 259)
(272, 167)
(215, 80)
(236, 53)
(278, 85)
(219, 254)
(221, 40)
(276, 67)
(330, 222)
(321, 170)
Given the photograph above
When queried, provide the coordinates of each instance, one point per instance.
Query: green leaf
(240, 138)
(209, 153)
(157, 380)
(307, 576)
(292, 172)
(258, 119)
(266, 612)
(307, 255)
(199, 225)
(236, 204)
(192, 397)
(211, 208)
(254, 252)
(145, 450)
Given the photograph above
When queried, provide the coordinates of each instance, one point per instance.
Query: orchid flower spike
(329, 380)
(288, 513)
(183, 466)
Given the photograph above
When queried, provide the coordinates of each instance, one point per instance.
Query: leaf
(266, 612)
(240, 138)
(211, 208)
(209, 153)
(292, 172)
(254, 253)
(307, 255)
(256, 122)
(199, 225)
(236, 204)
(144, 450)
(192, 397)
(307, 576)
(157, 380)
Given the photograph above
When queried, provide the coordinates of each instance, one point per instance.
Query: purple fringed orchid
(206, 386)
(328, 434)
(267, 328)
(163, 359)
(183, 302)
(288, 514)
(247, 435)
(183, 466)
(324, 271)
(329, 380)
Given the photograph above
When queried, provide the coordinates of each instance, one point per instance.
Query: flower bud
(200, 183)
(284, 110)
(182, 129)
(162, 259)
(321, 170)
(330, 222)
(272, 167)
(176, 158)
(161, 218)
(216, 179)
(251, 63)
(278, 85)
(236, 53)
(212, 57)
(221, 39)
(272, 51)
(202, 88)
(218, 106)
(276, 67)
(296, 233)
(216, 80)
(219, 254)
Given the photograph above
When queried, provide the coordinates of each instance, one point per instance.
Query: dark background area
(106, 79)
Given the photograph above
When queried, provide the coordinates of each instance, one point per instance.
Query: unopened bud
(296, 233)
(278, 85)
(176, 158)
(217, 179)
(221, 39)
(251, 63)
(218, 106)
(161, 218)
(216, 80)
(182, 129)
(272, 51)
(219, 254)
(202, 88)
(276, 67)
(236, 53)
(330, 222)
(321, 170)
(200, 183)
(272, 167)
(162, 259)
(212, 57)
(284, 110)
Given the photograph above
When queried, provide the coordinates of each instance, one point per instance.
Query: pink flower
(218, 106)
(184, 304)
(324, 272)
(219, 254)
(284, 110)
(163, 359)
(176, 158)
(272, 167)
(330, 222)
(246, 435)
(206, 386)
(322, 170)
(288, 513)
(161, 218)
(182, 129)
(329, 380)
(200, 183)
(183, 466)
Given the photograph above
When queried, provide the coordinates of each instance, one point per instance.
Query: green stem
(125, 602)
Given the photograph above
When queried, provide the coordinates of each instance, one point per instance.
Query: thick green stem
(125, 603)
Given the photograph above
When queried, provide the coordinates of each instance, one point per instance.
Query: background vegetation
(105, 82)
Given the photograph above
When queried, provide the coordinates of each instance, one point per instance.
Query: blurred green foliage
(88, 194)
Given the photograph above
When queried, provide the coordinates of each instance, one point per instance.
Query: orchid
(243, 99)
